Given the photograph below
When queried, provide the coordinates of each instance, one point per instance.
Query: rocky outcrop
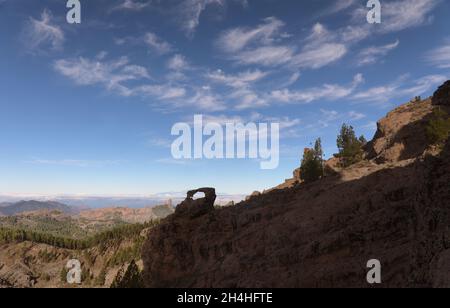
(442, 96)
(394, 208)
(401, 134)
(195, 208)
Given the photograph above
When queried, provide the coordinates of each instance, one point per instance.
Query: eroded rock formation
(195, 208)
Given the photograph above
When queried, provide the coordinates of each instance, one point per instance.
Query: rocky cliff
(393, 207)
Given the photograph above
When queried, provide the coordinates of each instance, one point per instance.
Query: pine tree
(132, 279)
(350, 147)
(311, 168)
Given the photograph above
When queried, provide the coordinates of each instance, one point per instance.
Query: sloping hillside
(393, 207)
(29, 260)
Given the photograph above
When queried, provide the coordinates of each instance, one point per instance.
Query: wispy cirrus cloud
(239, 80)
(265, 45)
(373, 54)
(189, 12)
(329, 117)
(133, 5)
(43, 33)
(157, 44)
(162, 92)
(237, 39)
(439, 57)
(339, 6)
(400, 88)
(324, 92)
(110, 74)
(243, 95)
(403, 14)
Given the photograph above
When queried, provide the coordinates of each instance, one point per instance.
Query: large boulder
(442, 96)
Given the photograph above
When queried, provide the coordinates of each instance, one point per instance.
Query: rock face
(401, 134)
(323, 234)
(442, 96)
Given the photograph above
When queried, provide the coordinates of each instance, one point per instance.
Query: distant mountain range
(84, 202)
(11, 209)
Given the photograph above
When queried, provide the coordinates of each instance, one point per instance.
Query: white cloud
(162, 92)
(205, 100)
(440, 57)
(258, 45)
(355, 116)
(178, 63)
(242, 96)
(248, 99)
(237, 39)
(110, 74)
(319, 56)
(325, 92)
(42, 32)
(329, 117)
(403, 14)
(396, 90)
(132, 5)
(339, 5)
(263, 45)
(266, 56)
(190, 11)
(236, 81)
(157, 44)
(372, 54)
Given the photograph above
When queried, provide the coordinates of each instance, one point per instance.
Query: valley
(35, 246)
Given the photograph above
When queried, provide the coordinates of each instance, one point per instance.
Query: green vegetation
(311, 169)
(438, 128)
(8, 235)
(57, 225)
(132, 279)
(350, 147)
(126, 255)
(47, 256)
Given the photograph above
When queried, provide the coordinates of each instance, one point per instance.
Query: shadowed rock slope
(393, 207)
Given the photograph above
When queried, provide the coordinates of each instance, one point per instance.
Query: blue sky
(88, 109)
